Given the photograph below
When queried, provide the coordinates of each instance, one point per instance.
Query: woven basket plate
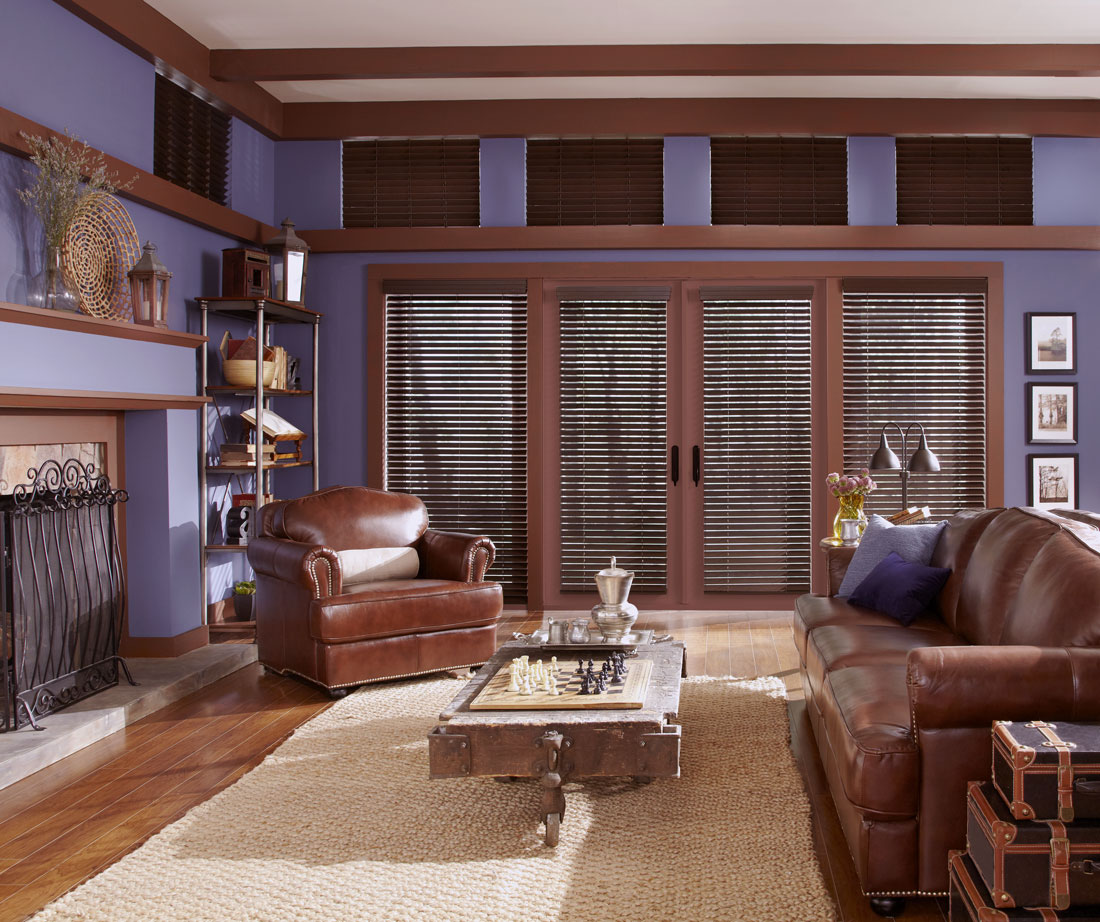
(100, 248)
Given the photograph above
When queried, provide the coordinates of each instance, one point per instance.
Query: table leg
(553, 799)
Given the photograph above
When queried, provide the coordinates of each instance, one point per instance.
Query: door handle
(675, 464)
(696, 464)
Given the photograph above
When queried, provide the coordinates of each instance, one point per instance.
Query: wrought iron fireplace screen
(63, 592)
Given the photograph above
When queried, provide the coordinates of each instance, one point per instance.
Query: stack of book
(910, 516)
(243, 454)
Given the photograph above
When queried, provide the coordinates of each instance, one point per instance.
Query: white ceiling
(239, 24)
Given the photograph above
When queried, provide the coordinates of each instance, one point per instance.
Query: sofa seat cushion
(403, 606)
(814, 611)
(865, 713)
(837, 646)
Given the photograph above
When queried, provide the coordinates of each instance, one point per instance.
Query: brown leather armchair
(311, 623)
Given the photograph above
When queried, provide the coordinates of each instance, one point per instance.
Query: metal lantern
(149, 289)
(289, 254)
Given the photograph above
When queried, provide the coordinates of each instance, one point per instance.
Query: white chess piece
(513, 675)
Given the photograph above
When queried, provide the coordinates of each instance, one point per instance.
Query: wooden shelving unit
(265, 314)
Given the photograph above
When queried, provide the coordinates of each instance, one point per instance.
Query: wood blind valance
(590, 181)
(190, 142)
(412, 182)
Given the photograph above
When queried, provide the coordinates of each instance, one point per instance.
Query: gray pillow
(912, 543)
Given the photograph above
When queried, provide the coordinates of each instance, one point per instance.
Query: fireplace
(62, 591)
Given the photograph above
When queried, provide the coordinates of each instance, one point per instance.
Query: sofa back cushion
(953, 551)
(1000, 559)
(1058, 603)
(348, 517)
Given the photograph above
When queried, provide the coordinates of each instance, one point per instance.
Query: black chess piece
(580, 667)
(617, 676)
(601, 684)
(586, 688)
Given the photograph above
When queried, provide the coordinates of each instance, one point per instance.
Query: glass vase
(52, 288)
(851, 507)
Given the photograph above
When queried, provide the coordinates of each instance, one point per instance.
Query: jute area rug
(342, 823)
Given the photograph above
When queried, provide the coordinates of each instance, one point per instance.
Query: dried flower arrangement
(69, 174)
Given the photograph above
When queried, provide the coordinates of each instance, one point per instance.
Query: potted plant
(244, 591)
(70, 177)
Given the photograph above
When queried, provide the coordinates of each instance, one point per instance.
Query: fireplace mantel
(63, 320)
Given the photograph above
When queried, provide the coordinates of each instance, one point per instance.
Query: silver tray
(627, 642)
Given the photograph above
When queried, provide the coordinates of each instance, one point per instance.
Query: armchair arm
(313, 566)
(453, 555)
(973, 686)
(836, 561)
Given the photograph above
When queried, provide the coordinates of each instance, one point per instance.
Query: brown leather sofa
(902, 715)
(309, 624)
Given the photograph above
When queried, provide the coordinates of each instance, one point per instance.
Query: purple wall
(687, 181)
(252, 173)
(503, 165)
(871, 182)
(1064, 174)
(307, 183)
(58, 70)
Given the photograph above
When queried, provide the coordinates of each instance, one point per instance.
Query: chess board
(631, 694)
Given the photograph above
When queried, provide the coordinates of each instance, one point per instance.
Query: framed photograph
(1052, 414)
(1051, 342)
(1052, 481)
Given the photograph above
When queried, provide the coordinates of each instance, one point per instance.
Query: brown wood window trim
(412, 182)
(778, 181)
(595, 181)
(964, 180)
(191, 141)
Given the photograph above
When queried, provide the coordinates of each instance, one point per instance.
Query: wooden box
(246, 273)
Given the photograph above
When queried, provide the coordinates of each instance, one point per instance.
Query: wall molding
(82, 323)
(731, 237)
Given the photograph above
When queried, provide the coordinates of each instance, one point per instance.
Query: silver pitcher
(614, 616)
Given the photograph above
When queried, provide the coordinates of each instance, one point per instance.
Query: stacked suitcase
(1033, 831)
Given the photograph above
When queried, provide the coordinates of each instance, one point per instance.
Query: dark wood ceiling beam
(655, 61)
(150, 35)
(609, 117)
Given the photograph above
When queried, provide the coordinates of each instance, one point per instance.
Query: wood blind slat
(756, 432)
(190, 141)
(412, 182)
(917, 358)
(456, 416)
(942, 180)
(595, 181)
(762, 180)
(613, 432)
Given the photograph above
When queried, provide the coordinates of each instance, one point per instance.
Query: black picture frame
(1040, 324)
(1067, 464)
(1042, 428)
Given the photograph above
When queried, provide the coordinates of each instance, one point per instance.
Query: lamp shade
(884, 458)
(923, 460)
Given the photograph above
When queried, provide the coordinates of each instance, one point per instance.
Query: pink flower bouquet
(850, 484)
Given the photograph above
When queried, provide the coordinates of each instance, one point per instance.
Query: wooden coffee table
(556, 746)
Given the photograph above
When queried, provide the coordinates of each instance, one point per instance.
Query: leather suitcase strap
(1059, 865)
(1064, 749)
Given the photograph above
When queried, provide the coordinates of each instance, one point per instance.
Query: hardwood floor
(66, 823)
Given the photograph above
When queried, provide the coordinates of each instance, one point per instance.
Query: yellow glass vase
(851, 507)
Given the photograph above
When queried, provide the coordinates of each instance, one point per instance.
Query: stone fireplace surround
(70, 379)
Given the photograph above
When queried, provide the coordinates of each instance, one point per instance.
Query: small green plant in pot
(244, 592)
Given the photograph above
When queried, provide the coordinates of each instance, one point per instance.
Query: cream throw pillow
(370, 564)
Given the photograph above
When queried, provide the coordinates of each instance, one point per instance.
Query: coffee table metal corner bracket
(556, 746)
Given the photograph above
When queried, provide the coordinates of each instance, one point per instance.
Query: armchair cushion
(370, 564)
(403, 606)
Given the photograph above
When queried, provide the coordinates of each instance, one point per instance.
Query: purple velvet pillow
(900, 589)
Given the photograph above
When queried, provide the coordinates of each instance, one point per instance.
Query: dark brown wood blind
(412, 182)
(190, 142)
(585, 181)
(964, 180)
(613, 438)
(757, 448)
(917, 356)
(771, 180)
(456, 417)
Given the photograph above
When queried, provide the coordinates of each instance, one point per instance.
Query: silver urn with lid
(614, 616)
